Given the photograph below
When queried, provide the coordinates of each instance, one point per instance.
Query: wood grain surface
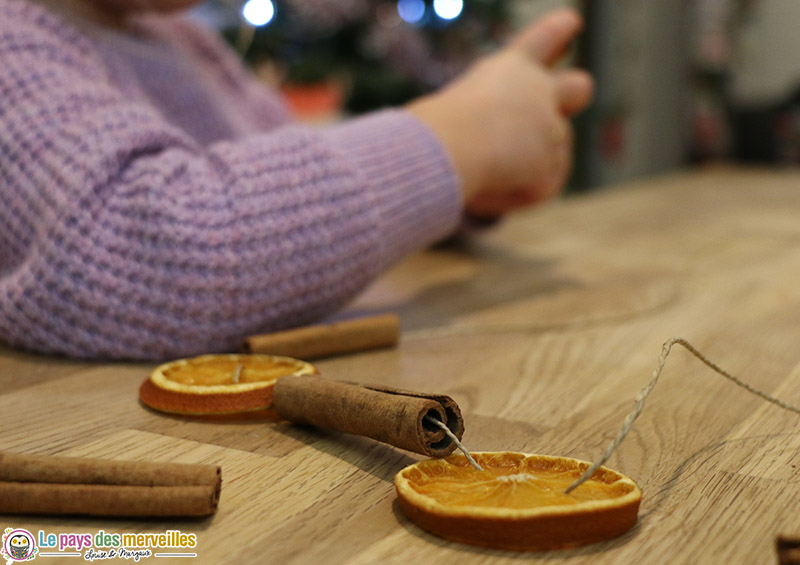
(543, 329)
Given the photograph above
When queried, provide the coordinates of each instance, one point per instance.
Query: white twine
(237, 373)
(453, 437)
(638, 404)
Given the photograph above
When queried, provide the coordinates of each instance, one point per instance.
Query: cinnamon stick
(324, 340)
(107, 500)
(69, 485)
(393, 416)
(788, 550)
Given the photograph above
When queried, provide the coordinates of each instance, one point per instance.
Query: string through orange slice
(638, 403)
(516, 501)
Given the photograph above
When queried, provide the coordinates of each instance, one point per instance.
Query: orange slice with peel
(218, 384)
(517, 502)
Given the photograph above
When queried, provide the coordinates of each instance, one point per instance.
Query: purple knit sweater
(157, 202)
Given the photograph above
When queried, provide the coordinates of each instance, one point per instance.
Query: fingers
(545, 41)
(548, 38)
(574, 90)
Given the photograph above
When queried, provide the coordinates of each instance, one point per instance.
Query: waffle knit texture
(157, 202)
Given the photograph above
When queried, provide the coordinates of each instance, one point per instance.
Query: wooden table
(543, 330)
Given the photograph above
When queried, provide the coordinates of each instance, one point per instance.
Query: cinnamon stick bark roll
(326, 340)
(393, 416)
(39, 484)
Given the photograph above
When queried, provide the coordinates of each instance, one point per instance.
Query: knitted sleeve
(122, 238)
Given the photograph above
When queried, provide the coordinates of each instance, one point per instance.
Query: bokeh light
(448, 9)
(411, 11)
(258, 12)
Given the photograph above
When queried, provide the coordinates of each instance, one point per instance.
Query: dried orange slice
(517, 502)
(218, 384)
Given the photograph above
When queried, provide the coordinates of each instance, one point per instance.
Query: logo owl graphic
(18, 545)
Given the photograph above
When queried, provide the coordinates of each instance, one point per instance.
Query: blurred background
(679, 82)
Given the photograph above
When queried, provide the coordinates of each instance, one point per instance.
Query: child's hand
(506, 121)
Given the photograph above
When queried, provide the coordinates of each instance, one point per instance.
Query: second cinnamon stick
(40, 484)
(324, 340)
(107, 500)
(48, 469)
(393, 416)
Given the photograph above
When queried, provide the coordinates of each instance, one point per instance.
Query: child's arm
(122, 237)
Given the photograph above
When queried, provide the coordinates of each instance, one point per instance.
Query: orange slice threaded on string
(517, 502)
(218, 384)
